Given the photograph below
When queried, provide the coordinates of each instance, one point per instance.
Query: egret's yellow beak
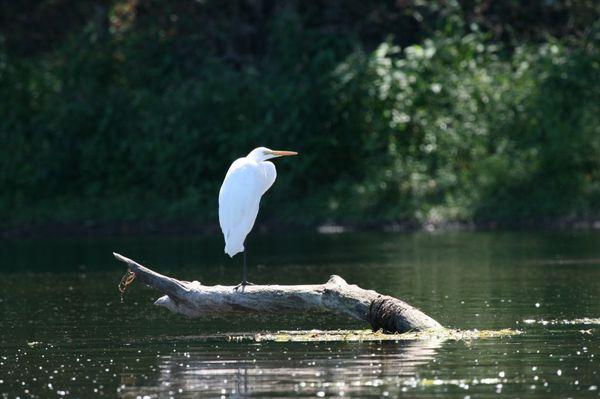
(282, 153)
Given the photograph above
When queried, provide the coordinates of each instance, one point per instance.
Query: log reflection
(288, 369)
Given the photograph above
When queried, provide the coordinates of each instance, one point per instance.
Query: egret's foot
(242, 285)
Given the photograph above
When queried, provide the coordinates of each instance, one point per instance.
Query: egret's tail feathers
(231, 249)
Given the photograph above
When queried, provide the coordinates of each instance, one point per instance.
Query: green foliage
(465, 132)
(138, 121)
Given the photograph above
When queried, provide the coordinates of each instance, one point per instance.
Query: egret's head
(262, 154)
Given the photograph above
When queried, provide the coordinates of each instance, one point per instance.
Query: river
(65, 332)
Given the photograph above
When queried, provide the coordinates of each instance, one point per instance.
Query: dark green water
(66, 334)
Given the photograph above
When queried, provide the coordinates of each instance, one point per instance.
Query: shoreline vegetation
(123, 116)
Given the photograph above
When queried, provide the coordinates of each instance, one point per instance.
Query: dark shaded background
(125, 115)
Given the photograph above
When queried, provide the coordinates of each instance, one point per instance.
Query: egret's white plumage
(247, 179)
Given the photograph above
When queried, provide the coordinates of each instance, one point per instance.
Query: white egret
(247, 179)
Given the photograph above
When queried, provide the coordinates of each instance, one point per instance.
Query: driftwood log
(336, 296)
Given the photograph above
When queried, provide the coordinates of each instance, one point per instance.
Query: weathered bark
(335, 296)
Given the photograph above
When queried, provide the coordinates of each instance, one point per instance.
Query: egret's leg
(244, 274)
(245, 271)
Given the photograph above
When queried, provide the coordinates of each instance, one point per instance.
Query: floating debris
(368, 335)
(584, 320)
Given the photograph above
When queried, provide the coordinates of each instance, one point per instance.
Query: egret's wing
(239, 199)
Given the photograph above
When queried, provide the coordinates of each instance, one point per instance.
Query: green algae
(368, 335)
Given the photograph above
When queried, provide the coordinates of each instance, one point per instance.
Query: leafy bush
(468, 132)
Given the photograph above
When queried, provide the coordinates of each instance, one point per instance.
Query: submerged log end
(395, 316)
(386, 313)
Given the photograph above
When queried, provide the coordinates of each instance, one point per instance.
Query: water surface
(65, 332)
